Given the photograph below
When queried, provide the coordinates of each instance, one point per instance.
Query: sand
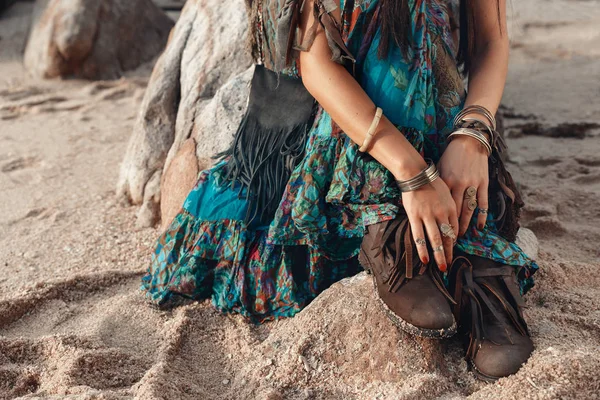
(74, 325)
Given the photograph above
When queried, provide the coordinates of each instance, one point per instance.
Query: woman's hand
(430, 206)
(464, 163)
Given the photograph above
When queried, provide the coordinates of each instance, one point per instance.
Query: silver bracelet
(423, 178)
(474, 134)
(476, 109)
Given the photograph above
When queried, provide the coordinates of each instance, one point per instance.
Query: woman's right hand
(427, 208)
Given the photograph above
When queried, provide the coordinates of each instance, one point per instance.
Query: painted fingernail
(425, 260)
(443, 267)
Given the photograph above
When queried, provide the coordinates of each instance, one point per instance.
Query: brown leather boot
(489, 311)
(411, 293)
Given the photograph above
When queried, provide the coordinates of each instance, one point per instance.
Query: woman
(353, 104)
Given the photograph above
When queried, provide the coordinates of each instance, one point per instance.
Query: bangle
(476, 109)
(371, 131)
(427, 175)
(478, 125)
(474, 134)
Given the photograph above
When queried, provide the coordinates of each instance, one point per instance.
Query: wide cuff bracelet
(423, 178)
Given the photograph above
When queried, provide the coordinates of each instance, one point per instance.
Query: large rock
(94, 39)
(177, 181)
(206, 51)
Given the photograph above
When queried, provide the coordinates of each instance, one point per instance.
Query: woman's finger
(458, 195)
(482, 204)
(453, 220)
(469, 203)
(448, 242)
(416, 228)
(435, 238)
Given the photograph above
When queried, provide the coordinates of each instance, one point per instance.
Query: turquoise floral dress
(272, 269)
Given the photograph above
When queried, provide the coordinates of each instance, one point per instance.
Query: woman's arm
(489, 65)
(352, 109)
(465, 161)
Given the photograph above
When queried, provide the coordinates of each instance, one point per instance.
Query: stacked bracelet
(371, 131)
(476, 109)
(475, 134)
(424, 177)
(475, 127)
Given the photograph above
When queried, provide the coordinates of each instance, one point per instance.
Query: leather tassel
(266, 147)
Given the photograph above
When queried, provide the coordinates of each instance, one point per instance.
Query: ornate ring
(472, 204)
(421, 241)
(483, 210)
(439, 248)
(447, 231)
(471, 192)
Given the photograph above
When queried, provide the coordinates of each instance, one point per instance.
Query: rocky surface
(178, 180)
(205, 53)
(94, 39)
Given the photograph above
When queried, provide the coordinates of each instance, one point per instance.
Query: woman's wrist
(469, 145)
(409, 167)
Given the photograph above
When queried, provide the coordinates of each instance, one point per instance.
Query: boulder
(94, 39)
(205, 52)
(177, 181)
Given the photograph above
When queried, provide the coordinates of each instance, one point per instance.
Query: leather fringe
(504, 197)
(262, 160)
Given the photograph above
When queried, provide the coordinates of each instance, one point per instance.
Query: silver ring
(421, 241)
(447, 231)
(439, 248)
(483, 210)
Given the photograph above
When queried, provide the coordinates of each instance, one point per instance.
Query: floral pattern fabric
(272, 269)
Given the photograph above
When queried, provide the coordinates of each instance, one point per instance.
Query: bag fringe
(262, 160)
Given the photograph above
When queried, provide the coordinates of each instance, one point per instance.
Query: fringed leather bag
(271, 138)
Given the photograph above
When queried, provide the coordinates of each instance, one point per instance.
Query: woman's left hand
(464, 163)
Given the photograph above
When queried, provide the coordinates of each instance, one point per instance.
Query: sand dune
(73, 324)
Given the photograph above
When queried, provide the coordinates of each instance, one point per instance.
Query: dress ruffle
(236, 265)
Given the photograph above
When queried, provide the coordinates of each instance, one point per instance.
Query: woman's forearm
(352, 109)
(488, 75)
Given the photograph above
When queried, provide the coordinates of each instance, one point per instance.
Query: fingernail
(443, 267)
(425, 260)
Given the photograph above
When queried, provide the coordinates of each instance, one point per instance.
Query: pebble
(305, 363)
(225, 381)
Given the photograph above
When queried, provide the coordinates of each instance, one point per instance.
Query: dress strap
(322, 13)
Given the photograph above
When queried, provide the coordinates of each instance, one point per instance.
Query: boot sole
(481, 376)
(397, 320)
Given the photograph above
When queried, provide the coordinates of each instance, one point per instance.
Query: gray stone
(206, 51)
(94, 39)
(528, 242)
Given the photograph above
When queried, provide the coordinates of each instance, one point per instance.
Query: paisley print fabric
(272, 269)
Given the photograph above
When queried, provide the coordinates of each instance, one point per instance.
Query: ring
(421, 241)
(439, 248)
(471, 192)
(447, 230)
(472, 204)
(483, 210)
